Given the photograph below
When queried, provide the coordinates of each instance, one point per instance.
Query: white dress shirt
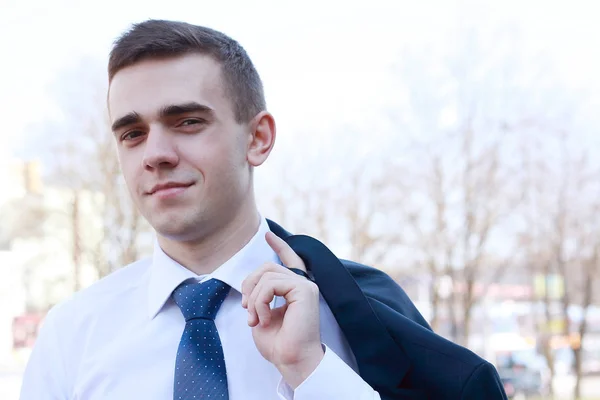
(118, 339)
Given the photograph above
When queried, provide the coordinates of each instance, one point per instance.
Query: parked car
(524, 373)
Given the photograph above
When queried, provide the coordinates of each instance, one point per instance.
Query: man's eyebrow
(184, 108)
(128, 119)
(166, 111)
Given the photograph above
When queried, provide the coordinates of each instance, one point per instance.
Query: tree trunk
(454, 304)
(546, 335)
(77, 247)
(587, 300)
(434, 298)
(577, 389)
(468, 301)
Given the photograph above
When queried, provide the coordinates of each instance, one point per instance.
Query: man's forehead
(149, 85)
(191, 63)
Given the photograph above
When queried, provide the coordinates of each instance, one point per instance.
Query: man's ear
(261, 139)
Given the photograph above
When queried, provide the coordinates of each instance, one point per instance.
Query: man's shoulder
(121, 281)
(103, 294)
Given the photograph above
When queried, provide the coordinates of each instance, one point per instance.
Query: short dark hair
(154, 39)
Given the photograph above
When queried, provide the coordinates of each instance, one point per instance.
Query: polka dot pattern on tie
(200, 367)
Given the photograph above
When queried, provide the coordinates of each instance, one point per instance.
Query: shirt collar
(166, 274)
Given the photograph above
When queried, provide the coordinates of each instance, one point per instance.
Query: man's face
(182, 153)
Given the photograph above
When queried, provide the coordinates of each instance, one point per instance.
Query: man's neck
(205, 256)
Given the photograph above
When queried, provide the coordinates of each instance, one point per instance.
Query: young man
(230, 305)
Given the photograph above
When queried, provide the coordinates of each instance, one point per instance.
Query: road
(590, 386)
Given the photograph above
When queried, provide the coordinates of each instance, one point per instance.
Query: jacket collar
(381, 361)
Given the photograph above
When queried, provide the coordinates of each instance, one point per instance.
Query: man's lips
(169, 187)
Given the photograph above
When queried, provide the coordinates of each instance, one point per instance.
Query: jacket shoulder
(379, 286)
(394, 309)
(440, 367)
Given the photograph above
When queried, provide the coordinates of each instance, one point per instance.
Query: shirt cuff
(324, 383)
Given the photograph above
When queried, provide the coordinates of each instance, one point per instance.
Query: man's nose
(160, 151)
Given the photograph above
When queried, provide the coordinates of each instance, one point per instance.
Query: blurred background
(453, 144)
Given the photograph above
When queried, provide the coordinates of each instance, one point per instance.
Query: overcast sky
(330, 56)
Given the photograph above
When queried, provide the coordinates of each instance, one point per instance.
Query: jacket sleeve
(484, 384)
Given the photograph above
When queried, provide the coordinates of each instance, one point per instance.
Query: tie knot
(200, 300)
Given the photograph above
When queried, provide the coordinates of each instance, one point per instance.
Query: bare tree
(579, 267)
(80, 157)
(591, 274)
(560, 235)
(433, 243)
(463, 191)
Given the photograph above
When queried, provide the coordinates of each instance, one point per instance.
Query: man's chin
(173, 233)
(177, 231)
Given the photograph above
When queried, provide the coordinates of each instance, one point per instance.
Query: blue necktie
(200, 367)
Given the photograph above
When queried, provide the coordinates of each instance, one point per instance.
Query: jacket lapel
(381, 361)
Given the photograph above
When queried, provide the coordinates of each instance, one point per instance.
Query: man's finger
(252, 280)
(259, 310)
(254, 307)
(286, 254)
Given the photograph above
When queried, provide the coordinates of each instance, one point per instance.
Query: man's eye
(189, 122)
(132, 135)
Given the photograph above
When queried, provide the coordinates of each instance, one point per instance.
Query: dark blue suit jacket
(397, 352)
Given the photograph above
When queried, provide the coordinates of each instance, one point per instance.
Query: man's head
(188, 113)
(156, 39)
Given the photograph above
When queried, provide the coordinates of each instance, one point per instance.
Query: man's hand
(288, 336)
